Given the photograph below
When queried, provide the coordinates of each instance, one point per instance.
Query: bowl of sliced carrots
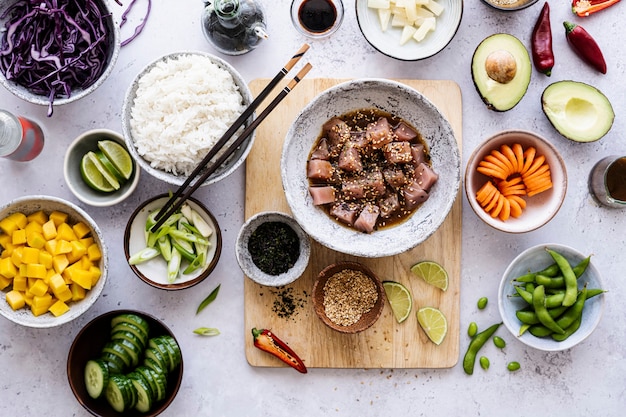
(515, 181)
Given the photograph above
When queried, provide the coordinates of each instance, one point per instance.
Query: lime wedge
(399, 299)
(432, 273)
(110, 167)
(118, 155)
(103, 171)
(434, 324)
(92, 176)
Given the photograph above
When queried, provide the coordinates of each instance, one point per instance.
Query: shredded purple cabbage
(140, 27)
(54, 47)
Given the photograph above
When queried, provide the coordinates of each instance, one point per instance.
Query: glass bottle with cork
(233, 27)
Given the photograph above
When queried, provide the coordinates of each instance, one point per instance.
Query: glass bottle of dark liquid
(233, 27)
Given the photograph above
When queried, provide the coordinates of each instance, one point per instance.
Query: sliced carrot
(511, 182)
(493, 202)
(519, 155)
(507, 192)
(508, 152)
(540, 185)
(506, 210)
(504, 159)
(519, 200)
(540, 190)
(516, 209)
(490, 172)
(495, 161)
(529, 157)
(485, 192)
(539, 171)
(539, 177)
(537, 163)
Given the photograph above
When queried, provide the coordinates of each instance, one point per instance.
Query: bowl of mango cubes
(53, 261)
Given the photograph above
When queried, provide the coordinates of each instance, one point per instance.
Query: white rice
(182, 107)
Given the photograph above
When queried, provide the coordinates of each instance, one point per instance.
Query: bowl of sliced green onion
(179, 254)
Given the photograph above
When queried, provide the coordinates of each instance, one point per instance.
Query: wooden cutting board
(387, 344)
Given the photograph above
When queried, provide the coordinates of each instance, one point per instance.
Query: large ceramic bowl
(540, 208)
(154, 271)
(113, 49)
(509, 5)
(535, 259)
(230, 165)
(388, 42)
(88, 344)
(85, 142)
(29, 205)
(394, 98)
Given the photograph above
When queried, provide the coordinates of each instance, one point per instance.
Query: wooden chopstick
(175, 203)
(234, 127)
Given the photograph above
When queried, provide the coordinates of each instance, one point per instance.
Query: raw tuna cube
(425, 176)
(379, 133)
(322, 195)
(345, 212)
(419, 153)
(319, 169)
(404, 132)
(367, 218)
(389, 205)
(398, 152)
(394, 177)
(350, 160)
(321, 152)
(414, 195)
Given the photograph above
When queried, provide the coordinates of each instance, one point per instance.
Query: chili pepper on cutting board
(268, 342)
(541, 41)
(584, 8)
(585, 46)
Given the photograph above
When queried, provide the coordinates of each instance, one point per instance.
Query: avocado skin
(521, 81)
(562, 92)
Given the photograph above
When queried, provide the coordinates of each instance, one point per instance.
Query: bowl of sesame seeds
(348, 297)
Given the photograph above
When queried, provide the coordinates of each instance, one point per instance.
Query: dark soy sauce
(616, 179)
(317, 16)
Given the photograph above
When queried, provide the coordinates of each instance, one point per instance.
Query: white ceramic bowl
(394, 98)
(388, 42)
(154, 271)
(113, 53)
(31, 204)
(540, 208)
(229, 166)
(248, 266)
(535, 259)
(88, 141)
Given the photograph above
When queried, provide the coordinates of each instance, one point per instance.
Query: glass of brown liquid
(607, 181)
(316, 18)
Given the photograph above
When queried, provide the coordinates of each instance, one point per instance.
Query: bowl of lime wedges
(98, 168)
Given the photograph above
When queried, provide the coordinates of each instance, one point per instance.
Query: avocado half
(501, 70)
(578, 111)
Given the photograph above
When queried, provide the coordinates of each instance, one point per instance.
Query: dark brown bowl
(368, 318)
(154, 271)
(88, 345)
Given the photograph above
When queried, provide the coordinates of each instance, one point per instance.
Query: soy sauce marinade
(373, 159)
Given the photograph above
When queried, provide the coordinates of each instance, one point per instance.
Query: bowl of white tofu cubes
(409, 30)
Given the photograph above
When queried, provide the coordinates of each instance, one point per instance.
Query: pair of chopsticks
(181, 194)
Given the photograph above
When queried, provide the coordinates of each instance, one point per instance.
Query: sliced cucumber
(165, 349)
(131, 350)
(132, 328)
(96, 377)
(161, 383)
(118, 393)
(131, 337)
(146, 373)
(144, 393)
(115, 348)
(153, 358)
(132, 319)
(114, 362)
(178, 357)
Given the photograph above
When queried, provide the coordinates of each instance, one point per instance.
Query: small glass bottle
(21, 139)
(233, 27)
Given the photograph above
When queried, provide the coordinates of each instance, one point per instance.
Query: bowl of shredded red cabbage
(53, 52)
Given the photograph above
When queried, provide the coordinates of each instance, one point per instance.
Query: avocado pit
(501, 66)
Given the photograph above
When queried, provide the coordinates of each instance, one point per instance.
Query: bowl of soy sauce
(317, 18)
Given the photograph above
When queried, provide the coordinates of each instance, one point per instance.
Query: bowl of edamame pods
(551, 297)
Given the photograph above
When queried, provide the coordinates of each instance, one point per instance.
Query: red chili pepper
(584, 8)
(543, 56)
(268, 342)
(585, 46)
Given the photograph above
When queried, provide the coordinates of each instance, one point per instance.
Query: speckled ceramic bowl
(113, 53)
(229, 166)
(154, 271)
(509, 5)
(34, 203)
(405, 103)
(248, 266)
(540, 208)
(88, 141)
(535, 259)
(388, 42)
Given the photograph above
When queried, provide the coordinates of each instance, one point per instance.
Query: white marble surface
(589, 379)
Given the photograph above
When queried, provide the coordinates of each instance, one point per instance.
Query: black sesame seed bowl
(272, 249)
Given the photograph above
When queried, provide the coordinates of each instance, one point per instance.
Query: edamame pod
(539, 304)
(571, 283)
(476, 343)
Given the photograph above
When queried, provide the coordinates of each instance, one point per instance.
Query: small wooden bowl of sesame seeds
(348, 297)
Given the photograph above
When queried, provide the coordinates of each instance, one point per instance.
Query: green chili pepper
(539, 304)
(475, 344)
(571, 284)
(209, 299)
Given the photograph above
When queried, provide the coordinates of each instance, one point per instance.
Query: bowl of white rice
(177, 108)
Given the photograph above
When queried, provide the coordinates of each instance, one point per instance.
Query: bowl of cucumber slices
(125, 361)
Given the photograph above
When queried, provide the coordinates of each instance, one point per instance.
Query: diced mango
(33, 227)
(22, 269)
(38, 216)
(60, 262)
(15, 299)
(78, 292)
(7, 269)
(81, 277)
(65, 232)
(62, 246)
(86, 263)
(5, 238)
(58, 308)
(8, 226)
(35, 240)
(28, 298)
(58, 217)
(19, 237)
(5, 282)
(87, 241)
(36, 271)
(49, 230)
(59, 288)
(40, 305)
(96, 273)
(39, 288)
(45, 259)
(81, 230)
(93, 251)
(30, 255)
(16, 256)
(19, 219)
(78, 250)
